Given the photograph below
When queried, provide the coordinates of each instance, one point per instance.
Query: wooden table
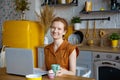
(5, 76)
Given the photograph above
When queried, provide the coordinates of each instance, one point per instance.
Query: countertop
(99, 49)
(95, 48)
(5, 76)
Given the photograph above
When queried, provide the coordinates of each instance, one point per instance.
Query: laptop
(19, 61)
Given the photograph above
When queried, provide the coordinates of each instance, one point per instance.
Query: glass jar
(113, 4)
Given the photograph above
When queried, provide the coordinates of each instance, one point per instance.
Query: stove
(100, 56)
(106, 66)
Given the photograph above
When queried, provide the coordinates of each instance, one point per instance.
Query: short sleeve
(72, 47)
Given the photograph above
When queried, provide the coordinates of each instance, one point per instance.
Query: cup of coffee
(33, 77)
(55, 67)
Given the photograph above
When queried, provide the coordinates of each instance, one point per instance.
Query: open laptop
(19, 61)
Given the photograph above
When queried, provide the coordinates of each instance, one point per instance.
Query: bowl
(33, 77)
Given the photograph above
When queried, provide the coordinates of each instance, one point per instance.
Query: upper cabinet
(60, 2)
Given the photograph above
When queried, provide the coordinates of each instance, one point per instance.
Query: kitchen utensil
(87, 31)
(102, 34)
(94, 30)
(79, 36)
(90, 42)
(33, 77)
(101, 42)
(76, 37)
(55, 68)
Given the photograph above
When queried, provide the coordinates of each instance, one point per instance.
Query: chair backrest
(82, 71)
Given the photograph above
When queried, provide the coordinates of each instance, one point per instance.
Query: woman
(60, 51)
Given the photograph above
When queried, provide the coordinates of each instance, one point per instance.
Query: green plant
(21, 5)
(114, 36)
(75, 19)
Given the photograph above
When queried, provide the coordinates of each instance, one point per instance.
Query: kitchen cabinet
(40, 57)
(84, 59)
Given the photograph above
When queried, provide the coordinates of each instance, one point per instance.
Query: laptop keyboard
(39, 71)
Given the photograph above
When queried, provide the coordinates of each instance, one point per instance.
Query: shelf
(108, 18)
(71, 4)
(74, 3)
(104, 11)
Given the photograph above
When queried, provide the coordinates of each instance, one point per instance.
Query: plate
(76, 37)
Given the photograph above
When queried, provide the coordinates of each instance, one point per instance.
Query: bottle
(63, 1)
(88, 6)
(118, 6)
(113, 4)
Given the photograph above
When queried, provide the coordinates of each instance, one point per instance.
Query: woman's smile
(57, 30)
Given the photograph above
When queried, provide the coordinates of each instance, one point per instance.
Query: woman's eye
(59, 28)
(52, 28)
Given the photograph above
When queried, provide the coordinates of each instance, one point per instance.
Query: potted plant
(22, 6)
(76, 22)
(114, 37)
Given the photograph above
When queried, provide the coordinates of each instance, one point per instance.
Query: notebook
(19, 61)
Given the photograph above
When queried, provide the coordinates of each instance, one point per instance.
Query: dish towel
(2, 57)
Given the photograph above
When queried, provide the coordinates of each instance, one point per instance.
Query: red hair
(61, 20)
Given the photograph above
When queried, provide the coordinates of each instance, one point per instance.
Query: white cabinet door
(40, 57)
(84, 59)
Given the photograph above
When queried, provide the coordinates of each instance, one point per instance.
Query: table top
(5, 76)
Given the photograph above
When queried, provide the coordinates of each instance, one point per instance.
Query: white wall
(68, 12)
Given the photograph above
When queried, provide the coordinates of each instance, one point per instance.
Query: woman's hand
(61, 72)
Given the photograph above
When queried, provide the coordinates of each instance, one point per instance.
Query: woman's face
(57, 30)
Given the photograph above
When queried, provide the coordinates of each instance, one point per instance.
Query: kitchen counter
(95, 48)
(5, 76)
(100, 49)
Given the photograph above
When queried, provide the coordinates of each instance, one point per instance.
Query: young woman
(61, 51)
